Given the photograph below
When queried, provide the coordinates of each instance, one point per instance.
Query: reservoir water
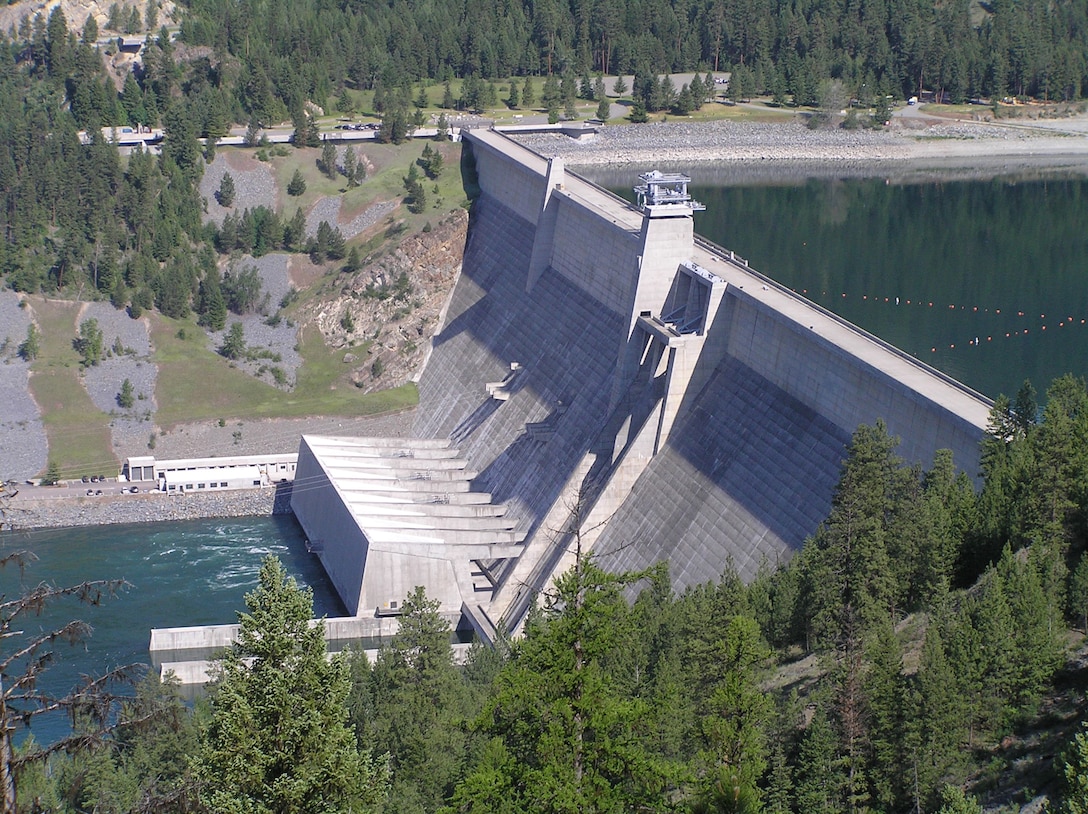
(180, 573)
(986, 280)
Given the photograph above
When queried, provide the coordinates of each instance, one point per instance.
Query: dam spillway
(602, 369)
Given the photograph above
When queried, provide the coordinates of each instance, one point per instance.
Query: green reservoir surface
(931, 266)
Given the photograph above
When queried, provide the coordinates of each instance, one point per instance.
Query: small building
(246, 476)
(195, 474)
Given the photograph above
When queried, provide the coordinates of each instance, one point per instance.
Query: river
(181, 573)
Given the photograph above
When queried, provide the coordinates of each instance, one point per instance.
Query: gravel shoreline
(752, 143)
(68, 510)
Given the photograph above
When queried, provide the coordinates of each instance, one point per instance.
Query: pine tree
(820, 780)
(442, 130)
(225, 194)
(562, 737)
(126, 398)
(604, 109)
(253, 133)
(527, 96)
(30, 347)
(89, 342)
(234, 344)
(211, 305)
(885, 696)
(278, 738)
(416, 697)
(684, 104)
(955, 800)
(1074, 799)
(512, 96)
(351, 166)
(343, 101)
(619, 87)
(297, 185)
(698, 92)
(848, 582)
(568, 89)
(294, 233)
(936, 730)
(733, 713)
(666, 93)
(353, 263)
(327, 162)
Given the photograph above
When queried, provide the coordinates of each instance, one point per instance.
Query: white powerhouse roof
(216, 475)
(413, 496)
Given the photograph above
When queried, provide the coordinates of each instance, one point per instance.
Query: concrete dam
(605, 377)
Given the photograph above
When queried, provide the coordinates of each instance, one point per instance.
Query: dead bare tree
(91, 706)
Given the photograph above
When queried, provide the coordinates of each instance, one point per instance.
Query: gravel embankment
(71, 507)
(280, 339)
(133, 425)
(22, 435)
(254, 185)
(328, 209)
(673, 142)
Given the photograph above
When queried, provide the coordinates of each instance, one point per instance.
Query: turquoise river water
(179, 574)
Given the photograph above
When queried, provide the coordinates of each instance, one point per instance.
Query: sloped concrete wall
(844, 388)
(778, 387)
(333, 533)
(746, 475)
(565, 344)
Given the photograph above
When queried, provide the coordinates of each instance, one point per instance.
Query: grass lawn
(226, 392)
(78, 432)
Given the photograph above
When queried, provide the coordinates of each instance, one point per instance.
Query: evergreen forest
(920, 654)
(80, 217)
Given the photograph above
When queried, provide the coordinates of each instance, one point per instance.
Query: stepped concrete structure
(605, 378)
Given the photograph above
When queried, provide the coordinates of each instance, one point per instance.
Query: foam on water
(187, 573)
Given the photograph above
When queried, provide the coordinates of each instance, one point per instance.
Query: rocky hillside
(395, 300)
(77, 12)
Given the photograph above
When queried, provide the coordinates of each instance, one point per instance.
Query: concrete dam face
(605, 378)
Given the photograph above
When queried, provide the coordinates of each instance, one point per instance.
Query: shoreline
(969, 146)
(72, 511)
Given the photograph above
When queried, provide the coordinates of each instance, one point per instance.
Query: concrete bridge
(605, 375)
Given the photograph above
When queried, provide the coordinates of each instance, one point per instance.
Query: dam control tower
(665, 195)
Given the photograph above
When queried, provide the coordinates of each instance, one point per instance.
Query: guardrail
(714, 248)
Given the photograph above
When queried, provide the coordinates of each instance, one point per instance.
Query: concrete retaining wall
(594, 253)
(333, 532)
(517, 184)
(843, 388)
